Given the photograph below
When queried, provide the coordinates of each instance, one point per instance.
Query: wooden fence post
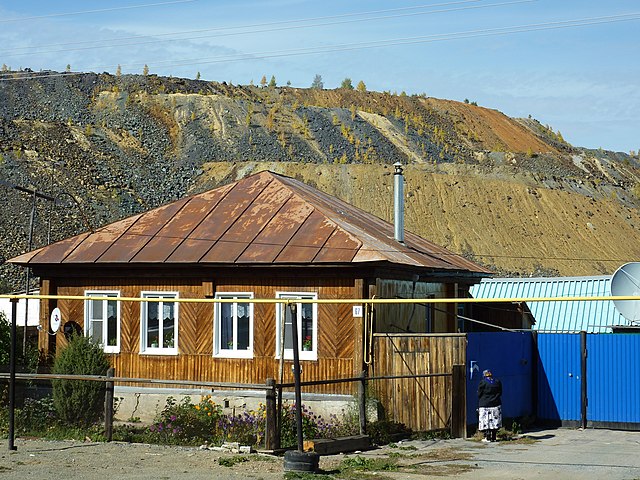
(362, 402)
(108, 406)
(271, 427)
(458, 402)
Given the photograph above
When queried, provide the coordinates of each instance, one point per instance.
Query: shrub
(383, 432)
(36, 416)
(248, 428)
(184, 422)
(314, 426)
(80, 402)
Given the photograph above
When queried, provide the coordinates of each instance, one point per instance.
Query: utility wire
(264, 24)
(99, 10)
(12, 76)
(7, 53)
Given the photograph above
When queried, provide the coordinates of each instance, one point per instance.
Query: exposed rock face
(509, 193)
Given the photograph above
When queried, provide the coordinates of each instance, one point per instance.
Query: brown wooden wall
(339, 354)
(422, 404)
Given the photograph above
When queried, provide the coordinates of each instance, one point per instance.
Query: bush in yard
(185, 423)
(383, 432)
(80, 402)
(313, 425)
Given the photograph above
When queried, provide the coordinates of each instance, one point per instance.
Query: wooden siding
(422, 404)
(338, 355)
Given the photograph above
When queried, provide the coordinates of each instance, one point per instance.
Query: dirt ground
(547, 454)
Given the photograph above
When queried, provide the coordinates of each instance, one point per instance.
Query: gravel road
(566, 454)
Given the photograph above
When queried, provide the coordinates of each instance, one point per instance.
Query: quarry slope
(508, 193)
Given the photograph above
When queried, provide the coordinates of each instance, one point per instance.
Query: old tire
(295, 461)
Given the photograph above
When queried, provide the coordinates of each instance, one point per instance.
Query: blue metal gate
(509, 356)
(558, 377)
(554, 363)
(613, 383)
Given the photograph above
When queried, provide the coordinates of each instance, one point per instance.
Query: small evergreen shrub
(80, 402)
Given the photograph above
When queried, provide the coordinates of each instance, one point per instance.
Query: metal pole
(362, 402)
(28, 277)
(12, 374)
(296, 376)
(583, 379)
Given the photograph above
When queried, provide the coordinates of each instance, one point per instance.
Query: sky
(574, 65)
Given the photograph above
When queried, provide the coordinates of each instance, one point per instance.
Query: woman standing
(490, 406)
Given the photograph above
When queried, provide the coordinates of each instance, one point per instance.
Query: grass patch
(231, 461)
(441, 470)
(523, 440)
(402, 447)
(369, 464)
(307, 476)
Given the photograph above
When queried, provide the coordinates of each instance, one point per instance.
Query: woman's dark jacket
(489, 393)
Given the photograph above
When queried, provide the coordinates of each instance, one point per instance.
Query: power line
(264, 24)
(286, 26)
(11, 76)
(100, 10)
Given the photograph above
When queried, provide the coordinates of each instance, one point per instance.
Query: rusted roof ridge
(234, 222)
(252, 241)
(324, 244)
(327, 248)
(280, 246)
(187, 236)
(359, 223)
(308, 192)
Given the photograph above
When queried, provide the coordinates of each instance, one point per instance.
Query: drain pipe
(398, 203)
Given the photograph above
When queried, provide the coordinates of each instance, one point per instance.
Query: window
(102, 320)
(233, 326)
(159, 325)
(307, 319)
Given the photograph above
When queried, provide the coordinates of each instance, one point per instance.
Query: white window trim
(144, 350)
(288, 352)
(218, 352)
(87, 319)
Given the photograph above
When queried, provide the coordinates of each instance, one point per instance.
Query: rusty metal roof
(265, 218)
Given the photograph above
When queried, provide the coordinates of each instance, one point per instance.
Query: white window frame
(159, 350)
(88, 320)
(288, 352)
(218, 351)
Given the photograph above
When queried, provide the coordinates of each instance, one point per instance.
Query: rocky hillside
(509, 193)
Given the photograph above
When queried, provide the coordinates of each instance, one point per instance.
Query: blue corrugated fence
(545, 376)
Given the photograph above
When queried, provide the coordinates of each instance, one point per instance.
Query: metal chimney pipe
(398, 202)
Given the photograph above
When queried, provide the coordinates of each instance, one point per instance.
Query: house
(591, 316)
(265, 236)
